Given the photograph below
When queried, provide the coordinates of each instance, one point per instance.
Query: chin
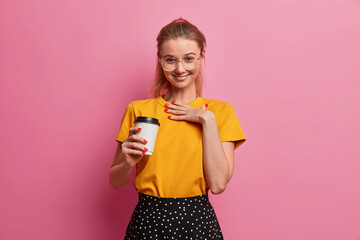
(181, 84)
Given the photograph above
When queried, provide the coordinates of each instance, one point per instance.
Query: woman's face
(181, 48)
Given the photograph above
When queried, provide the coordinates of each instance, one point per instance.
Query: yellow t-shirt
(176, 167)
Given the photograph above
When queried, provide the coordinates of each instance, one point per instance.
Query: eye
(189, 59)
(170, 60)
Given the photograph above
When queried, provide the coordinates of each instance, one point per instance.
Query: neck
(180, 96)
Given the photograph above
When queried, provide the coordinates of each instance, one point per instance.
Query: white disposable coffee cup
(149, 128)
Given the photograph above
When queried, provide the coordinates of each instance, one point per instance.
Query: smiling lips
(181, 78)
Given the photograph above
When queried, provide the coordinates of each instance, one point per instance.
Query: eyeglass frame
(177, 64)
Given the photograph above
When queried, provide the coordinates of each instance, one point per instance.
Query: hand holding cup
(141, 140)
(133, 147)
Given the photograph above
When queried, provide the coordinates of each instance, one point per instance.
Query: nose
(180, 68)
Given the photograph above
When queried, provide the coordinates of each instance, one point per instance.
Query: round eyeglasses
(171, 63)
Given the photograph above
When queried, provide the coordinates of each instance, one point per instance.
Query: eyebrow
(168, 55)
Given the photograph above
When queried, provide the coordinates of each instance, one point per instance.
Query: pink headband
(180, 20)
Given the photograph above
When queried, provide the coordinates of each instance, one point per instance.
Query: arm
(126, 156)
(218, 156)
(120, 170)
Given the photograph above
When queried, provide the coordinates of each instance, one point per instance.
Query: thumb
(204, 106)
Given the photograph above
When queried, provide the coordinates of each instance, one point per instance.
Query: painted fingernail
(166, 105)
(173, 101)
(145, 141)
(169, 117)
(206, 105)
(143, 153)
(166, 109)
(139, 129)
(146, 149)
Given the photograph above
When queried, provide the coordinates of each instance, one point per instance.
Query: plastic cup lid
(147, 120)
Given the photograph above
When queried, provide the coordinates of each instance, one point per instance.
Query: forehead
(179, 47)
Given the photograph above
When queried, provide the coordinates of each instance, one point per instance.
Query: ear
(202, 56)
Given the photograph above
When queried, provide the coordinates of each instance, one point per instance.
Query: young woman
(194, 150)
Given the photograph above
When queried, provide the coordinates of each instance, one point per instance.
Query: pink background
(290, 68)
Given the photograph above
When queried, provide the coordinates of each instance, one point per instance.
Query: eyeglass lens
(171, 63)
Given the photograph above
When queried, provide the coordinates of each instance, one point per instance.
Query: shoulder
(142, 102)
(222, 110)
(217, 104)
(145, 107)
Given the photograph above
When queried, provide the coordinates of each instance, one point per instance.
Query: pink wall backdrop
(290, 68)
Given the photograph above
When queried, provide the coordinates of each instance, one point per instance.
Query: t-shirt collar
(198, 102)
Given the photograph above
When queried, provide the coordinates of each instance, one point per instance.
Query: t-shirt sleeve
(126, 123)
(229, 126)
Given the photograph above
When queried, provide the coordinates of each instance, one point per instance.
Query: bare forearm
(120, 173)
(216, 165)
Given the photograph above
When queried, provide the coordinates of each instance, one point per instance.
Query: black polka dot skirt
(173, 218)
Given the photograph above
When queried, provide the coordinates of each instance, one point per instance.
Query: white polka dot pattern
(173, 218)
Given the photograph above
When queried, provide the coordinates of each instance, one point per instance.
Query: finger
(204, 106)
(134, 146)
(133, 152)
(136, 138)
(134, 130)
(176, 107)
(175, 112)
(177, 118)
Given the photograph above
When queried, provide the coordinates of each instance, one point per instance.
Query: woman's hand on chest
(183, 112)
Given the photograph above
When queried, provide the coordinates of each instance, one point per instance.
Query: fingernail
(143, 153)
(173, 101)
(166, 105)
(166, 109)
(139, 129)
(206, 105)
(145, 141)
(169, 117)
(146, 149)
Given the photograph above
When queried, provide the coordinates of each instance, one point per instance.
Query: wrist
(207, 116)
(126, 163)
